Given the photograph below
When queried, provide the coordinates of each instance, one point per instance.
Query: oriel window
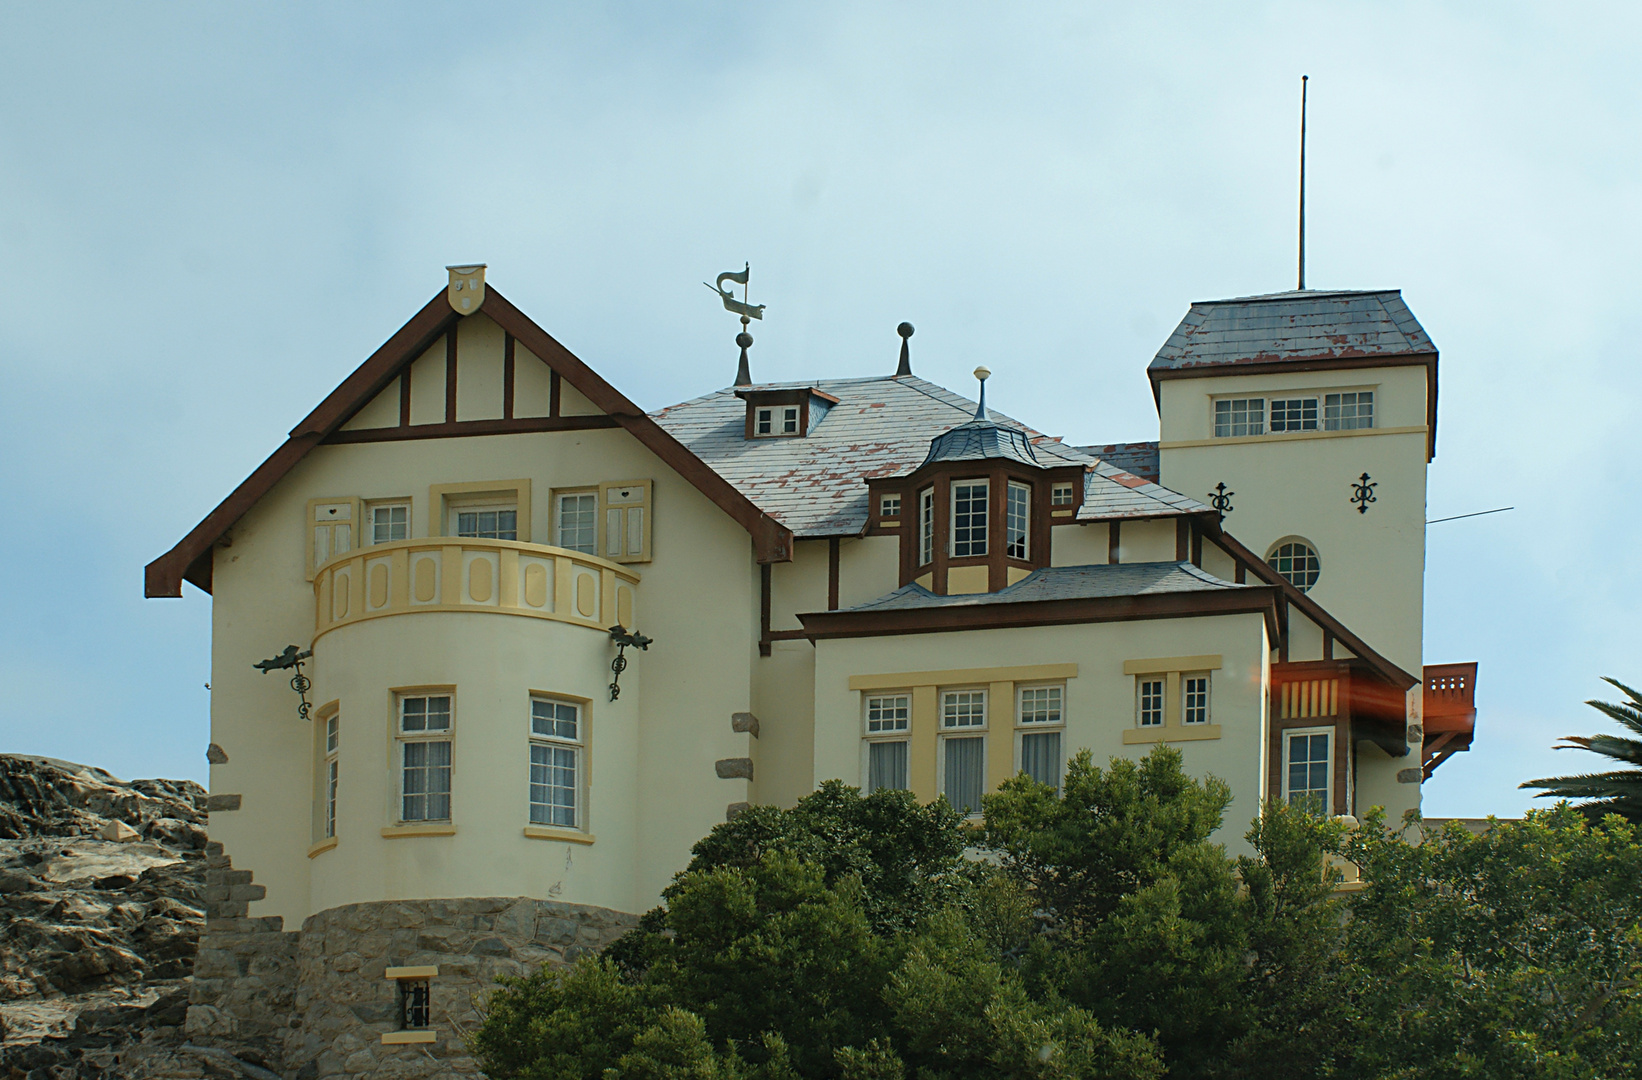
(968, 518)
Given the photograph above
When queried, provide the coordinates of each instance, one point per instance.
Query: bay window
(969, 506)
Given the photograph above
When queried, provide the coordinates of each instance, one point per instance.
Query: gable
(444, 375)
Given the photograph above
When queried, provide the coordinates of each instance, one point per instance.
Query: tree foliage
(1107, 934)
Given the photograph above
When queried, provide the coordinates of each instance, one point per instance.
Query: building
(875, 579)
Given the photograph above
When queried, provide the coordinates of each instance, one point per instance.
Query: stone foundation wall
(315, 1003)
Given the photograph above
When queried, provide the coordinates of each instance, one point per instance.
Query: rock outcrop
(102, 905)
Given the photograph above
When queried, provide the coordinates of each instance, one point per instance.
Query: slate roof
(1139, 458)
(1067, 583)
(982, 440)
(1293, 326)
(815, 484)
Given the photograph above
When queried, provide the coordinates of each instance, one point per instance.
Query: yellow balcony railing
(465, 574)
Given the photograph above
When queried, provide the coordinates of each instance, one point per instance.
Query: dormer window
(782, 421)
(890, 507)
(784, 412)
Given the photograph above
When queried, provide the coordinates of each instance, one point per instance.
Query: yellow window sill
(426, 971)
(322, 847)
(1171, 734)
(393, 831)
(1291, 436)
(569, 836)
(404, 1038)
(1062, 513)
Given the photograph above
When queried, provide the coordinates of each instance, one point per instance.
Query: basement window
(413, 987)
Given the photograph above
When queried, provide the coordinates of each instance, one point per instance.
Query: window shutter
(626, 514)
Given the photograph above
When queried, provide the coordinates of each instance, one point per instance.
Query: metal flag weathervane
(748, 312)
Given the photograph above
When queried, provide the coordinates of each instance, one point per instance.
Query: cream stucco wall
(1373, 563)
(698, 599)
(1100, 699)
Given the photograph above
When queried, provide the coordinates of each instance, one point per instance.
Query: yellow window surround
(1173, 729)
(441, 497)
(568, 836)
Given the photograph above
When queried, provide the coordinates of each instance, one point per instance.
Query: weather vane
(748, 312)
(623, 638)
(285, 661)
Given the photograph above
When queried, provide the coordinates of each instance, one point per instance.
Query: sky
(210, 214)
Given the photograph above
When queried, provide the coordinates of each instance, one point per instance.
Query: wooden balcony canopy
(1450, 712)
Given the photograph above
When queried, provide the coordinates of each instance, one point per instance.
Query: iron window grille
(415, 1004)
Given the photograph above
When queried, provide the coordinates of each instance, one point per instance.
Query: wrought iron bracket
(290, 659)
(623, 638)
(1221, 499)
(1362, 492)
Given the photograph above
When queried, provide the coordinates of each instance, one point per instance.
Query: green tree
(1615, 792)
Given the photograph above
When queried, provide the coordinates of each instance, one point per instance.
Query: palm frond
(1612, 746)
(1624, 714)
(1634, 695)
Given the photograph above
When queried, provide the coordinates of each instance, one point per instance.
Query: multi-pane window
(332, 743)
(968, 518)
(488, 523)
(781, 421)
(963, 759)
(887, 715)
(963, 709)
(1307, 762)
(1348, 411)
(1294, 414)
(424, 746)
(889, 506)
(1039, 707)
(1060, 495)
(1149, 702)
(578, 521)
(1297, 562)
(926, 526)
(390, 522)
(1234, 417)
(1195, 698)
(764, 422)
(1016, 528)
(555, 761)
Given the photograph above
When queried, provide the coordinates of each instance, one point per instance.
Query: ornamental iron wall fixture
(620, 635)
(291, 658)
(1220, 499)
(1362, 492)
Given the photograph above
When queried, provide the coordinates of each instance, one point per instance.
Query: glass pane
(553, 785)
(426, 782)
(969, 519)
(1196, 689)
(553, 719)
(926, 526)
(1040, 757)
(886, 765)
(578, 522)
(965, 773)
(891, 713)
(1040, 705)
(1019, 512)
(963, 708)
(1151, 703)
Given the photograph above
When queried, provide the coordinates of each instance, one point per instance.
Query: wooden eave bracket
(190, 559)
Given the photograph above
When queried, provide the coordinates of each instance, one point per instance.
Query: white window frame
(388, 505)
(331, 770)
(926, 526)
(947, 731)
(488, 506)
(1141, 712)
(592, 523)
(554, 742)
(1328, 788)
(1024, 523)
(1361, 404)
(889, 506)
(893, 728)
(789, 420)
(763, 422)
(1252, 406)
(1062, 495)
(1186, 693)
(971, 552)
(1056, 724)
(404, 738)
(1309, 418)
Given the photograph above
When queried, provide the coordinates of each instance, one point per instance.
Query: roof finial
(982, 374)
(905, 330)
(748, 312)
(1303, 80)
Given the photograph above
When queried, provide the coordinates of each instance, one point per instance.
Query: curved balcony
(446, 573)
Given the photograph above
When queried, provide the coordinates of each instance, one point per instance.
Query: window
(1195, 689)
(1306, 780)
(1040, 750)
(1149, 702)
(926, 526)
(578, 521)
(1297, 562)
(331, 529)
(777, 421)
(887, 714)
(424, 732)
(889, 506)
(1239, 416)
(963, 709)
(1018, 513)
(490, 522)
(968, 518)
(390, 522)
(964, 772)
(555, 761)
(1348, 412)
(1294, 414)
(415, 1004)
(332, 740)
(1060, 495)
(626, 528)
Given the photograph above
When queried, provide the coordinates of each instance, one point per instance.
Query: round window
(1297, 561)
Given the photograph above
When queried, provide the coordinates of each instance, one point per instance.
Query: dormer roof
(983, 440)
